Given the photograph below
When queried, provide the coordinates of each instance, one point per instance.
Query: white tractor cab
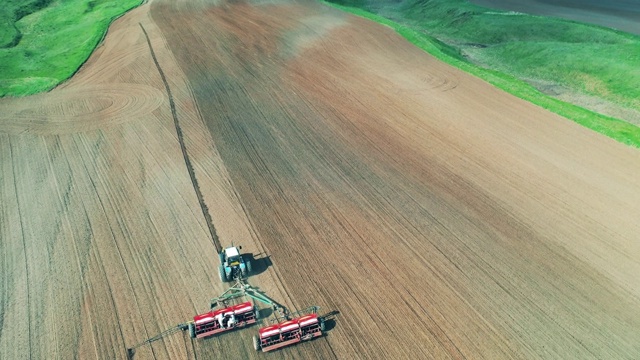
(233, 264)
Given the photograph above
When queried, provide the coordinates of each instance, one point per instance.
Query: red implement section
(289, 332)
(217, 321)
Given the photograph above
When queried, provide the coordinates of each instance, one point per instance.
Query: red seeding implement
(214, 322)
(288, 332)
(283, 329)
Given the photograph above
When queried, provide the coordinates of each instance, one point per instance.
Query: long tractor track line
(24, 247)
(192, 175)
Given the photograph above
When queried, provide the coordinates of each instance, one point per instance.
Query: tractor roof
(232, 251)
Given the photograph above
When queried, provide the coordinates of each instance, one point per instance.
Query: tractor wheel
(223, 275)
(192, 330)
(248, 267)
(322, 325)
(244, 270)
(257, 312)
(221, 256)
(256, 343)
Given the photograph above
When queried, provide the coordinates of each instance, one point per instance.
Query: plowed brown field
(440, 216)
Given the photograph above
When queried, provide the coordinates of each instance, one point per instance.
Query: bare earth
(442, 217)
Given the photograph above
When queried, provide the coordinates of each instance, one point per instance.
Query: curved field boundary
(44, 57)
(616, 129)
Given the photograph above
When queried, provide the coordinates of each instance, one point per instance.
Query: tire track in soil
(99, 257)
(24, 244)
(64, 223)
(257, 160)
(4, 285)
(194, 181)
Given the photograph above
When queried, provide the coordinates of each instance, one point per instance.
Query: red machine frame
(205, 325)
(289, 328)
(289, 332)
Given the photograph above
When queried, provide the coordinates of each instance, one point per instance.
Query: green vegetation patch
(44, 42)
(588, 59)
(584, 58)
(12, 11)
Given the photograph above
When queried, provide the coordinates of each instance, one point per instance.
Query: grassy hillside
(44, 42)
(502, 47)
(12, 11)
(594, 60)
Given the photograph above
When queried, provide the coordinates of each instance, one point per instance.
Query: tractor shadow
(259, 263)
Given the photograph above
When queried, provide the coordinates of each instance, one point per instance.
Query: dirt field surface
(618, 14)
(441, 217)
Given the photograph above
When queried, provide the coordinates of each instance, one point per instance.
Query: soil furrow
(187, 161)
(27, 284)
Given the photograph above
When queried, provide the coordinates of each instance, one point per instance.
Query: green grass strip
(619, 130)
(54, 42)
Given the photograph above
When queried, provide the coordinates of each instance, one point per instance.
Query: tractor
(232, 264)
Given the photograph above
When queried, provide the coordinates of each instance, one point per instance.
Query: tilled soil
(440, 216)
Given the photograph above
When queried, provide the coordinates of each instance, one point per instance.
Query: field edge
(32, 83)
(614, 128)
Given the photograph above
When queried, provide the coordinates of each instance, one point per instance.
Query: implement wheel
(256, 343)
(223, 275)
